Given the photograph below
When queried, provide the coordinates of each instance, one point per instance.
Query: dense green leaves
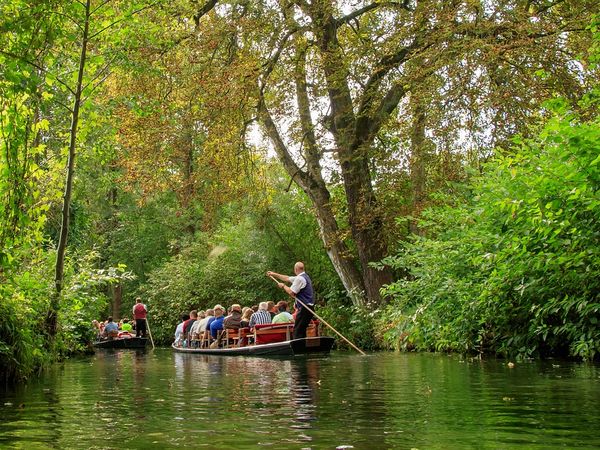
(516, 269)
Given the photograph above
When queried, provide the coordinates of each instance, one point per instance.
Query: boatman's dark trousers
(303, 318)
(140, 327)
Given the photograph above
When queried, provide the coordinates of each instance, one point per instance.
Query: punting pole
(324, 321)
(149, 333)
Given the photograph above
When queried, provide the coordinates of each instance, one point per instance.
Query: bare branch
(208, 6)
(306, 122)
(100, 72)
(386, 63)
(72, 19)
(375, 5)
(280, 147)
(273, 60)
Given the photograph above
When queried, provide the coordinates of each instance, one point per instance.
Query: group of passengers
(124, 329)
(111, 329)
(213, 322)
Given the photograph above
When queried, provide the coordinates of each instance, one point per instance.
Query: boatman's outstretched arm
(279, 276)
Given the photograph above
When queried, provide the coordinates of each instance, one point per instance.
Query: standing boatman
(139, 314)
(300, 289)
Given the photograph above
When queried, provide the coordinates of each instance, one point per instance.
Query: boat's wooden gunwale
(320, 344)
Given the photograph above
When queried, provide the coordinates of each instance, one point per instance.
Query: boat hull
(321, 344)
(134, 342)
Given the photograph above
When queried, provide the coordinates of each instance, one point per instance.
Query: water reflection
(160, 399)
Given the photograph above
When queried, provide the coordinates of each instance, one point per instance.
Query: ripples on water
(124, 399)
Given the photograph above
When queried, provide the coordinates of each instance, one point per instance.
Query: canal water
(158, 399)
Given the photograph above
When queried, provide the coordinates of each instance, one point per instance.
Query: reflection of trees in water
(263, 394)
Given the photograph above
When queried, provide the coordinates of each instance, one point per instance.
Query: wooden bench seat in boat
(268, 333)
(236, 337)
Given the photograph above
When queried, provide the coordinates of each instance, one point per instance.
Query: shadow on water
(160, 399)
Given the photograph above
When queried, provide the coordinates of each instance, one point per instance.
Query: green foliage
(516, 270)
(357, 323)
(84, 300)
(23, 301)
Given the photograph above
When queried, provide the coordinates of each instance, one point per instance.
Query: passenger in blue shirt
(216, 324)
(111, 328)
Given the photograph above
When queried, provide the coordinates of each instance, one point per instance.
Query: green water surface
(158, 399)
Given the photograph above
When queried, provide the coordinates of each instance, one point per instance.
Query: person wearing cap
(301, 289)
(217, 323)
(284, 316)
(234, 318)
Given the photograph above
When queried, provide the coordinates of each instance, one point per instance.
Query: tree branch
(280, 148)
(269, 65)
(208, 6)
(99, 7)
(375, 5)
(385, 65)
(308, 128)
(37, 66)
(127, 16)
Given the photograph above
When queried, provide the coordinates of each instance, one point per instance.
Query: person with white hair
(262, 316)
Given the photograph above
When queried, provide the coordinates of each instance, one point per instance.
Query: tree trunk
(312, 184)
(117, 300)
(353, 138)
(417, 160)
(51, 321)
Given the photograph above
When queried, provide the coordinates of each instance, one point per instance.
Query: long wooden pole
(324, 321)
(149, 333)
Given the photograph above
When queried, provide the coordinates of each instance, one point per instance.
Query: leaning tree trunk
(64, 229)
(353, 136)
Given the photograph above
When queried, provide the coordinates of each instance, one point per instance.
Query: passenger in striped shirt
(261, 316)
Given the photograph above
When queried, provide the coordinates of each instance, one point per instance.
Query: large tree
(332, 79)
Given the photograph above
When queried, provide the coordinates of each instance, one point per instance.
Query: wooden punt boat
(266, 340)
(122, 342)
(308, 345)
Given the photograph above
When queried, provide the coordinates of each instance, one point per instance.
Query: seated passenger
(246, 313)
(179, 330)
(234, 318)
(284, 316)
(194, 334)
(187, 325)
(126, 326)
(111, 329)
(204, 323)
(260, 317)
(216, 325)
(97, 329)
(272, 309)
